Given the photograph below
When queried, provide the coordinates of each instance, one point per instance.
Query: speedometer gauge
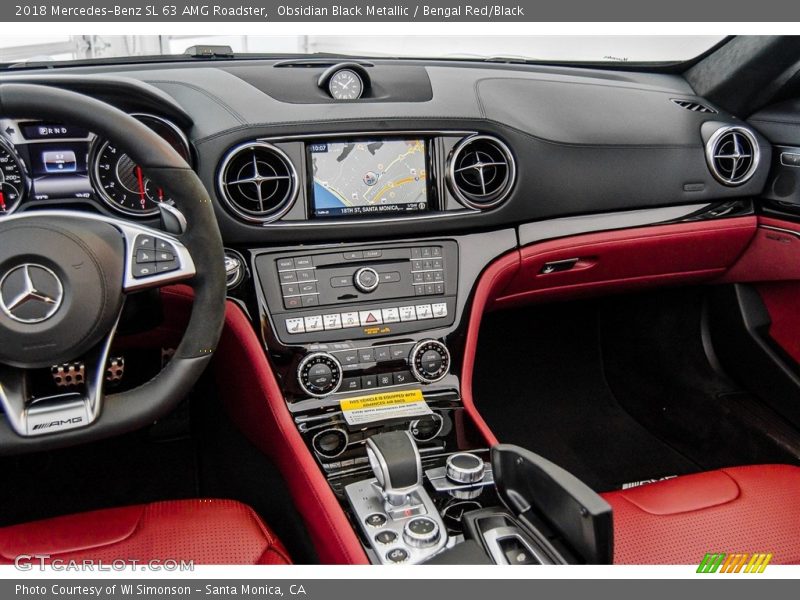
(13, 180)
(121, 183)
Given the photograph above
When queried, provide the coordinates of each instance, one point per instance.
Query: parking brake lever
(397, 465)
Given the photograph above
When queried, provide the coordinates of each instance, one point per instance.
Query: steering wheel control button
(165, 255)
(145, 256)
(376, 520)
(153, 256)
(430, 361)
(386, 537)
(319, 374)
(397, 555)
(465, 468)
(146, 242)
(421, 532)
(144, 270)
(366, 280)
(167, 266)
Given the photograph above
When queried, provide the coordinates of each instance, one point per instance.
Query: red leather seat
(203, 531)
(741, 509)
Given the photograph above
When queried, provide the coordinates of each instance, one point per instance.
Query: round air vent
(258, 182)
(481, 171)
(732, 155)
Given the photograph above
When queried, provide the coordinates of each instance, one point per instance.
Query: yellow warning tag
(384, 399)
(386, 405)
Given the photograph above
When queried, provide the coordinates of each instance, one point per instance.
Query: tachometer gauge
(13, 180)
(121, 183)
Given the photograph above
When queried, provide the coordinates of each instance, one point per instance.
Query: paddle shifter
(395, 460)
(393, 510)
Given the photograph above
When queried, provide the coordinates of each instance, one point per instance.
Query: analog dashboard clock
(346, 84)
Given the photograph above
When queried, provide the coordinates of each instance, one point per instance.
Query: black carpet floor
(615, 391)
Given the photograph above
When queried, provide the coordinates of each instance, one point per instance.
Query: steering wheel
(64, 276)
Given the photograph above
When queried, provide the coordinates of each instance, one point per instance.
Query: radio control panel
(359, 292)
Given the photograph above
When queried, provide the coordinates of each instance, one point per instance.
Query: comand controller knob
(430, 361)
(465, 468)
(319, 374)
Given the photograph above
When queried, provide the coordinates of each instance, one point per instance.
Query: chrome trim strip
(780, 229)
(365, 221)
(364, 134)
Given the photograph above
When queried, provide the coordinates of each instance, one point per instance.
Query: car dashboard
(366, 232)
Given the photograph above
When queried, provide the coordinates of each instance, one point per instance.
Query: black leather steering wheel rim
(138, 407)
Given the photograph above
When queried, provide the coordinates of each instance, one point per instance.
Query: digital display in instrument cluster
(57, 158)
(360, 178)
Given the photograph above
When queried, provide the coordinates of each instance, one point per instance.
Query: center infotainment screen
(368, 177)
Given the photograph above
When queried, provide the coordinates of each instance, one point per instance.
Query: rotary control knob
(366, 280)
(465, 468)
(430, 361)
(319, 374)
(421, 532)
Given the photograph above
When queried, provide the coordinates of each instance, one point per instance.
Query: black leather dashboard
(584, 141)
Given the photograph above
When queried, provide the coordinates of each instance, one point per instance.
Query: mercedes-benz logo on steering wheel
(30, 293)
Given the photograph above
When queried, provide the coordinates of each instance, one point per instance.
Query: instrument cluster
(50, 163)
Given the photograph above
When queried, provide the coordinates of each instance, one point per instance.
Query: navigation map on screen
(355, 178)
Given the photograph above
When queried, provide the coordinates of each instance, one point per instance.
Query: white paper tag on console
(382, 406)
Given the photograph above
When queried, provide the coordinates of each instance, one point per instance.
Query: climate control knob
(319, 374)
(430, 361)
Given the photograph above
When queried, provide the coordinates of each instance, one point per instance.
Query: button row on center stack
(366, 318)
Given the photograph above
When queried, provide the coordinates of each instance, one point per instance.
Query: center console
(367, 343)
(365, 322)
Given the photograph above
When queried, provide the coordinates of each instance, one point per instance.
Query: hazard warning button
(370, 317)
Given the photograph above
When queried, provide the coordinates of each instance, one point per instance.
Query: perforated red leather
(764, 516)
(203, 531)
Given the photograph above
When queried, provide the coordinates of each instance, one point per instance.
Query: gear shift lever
(395, 460)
